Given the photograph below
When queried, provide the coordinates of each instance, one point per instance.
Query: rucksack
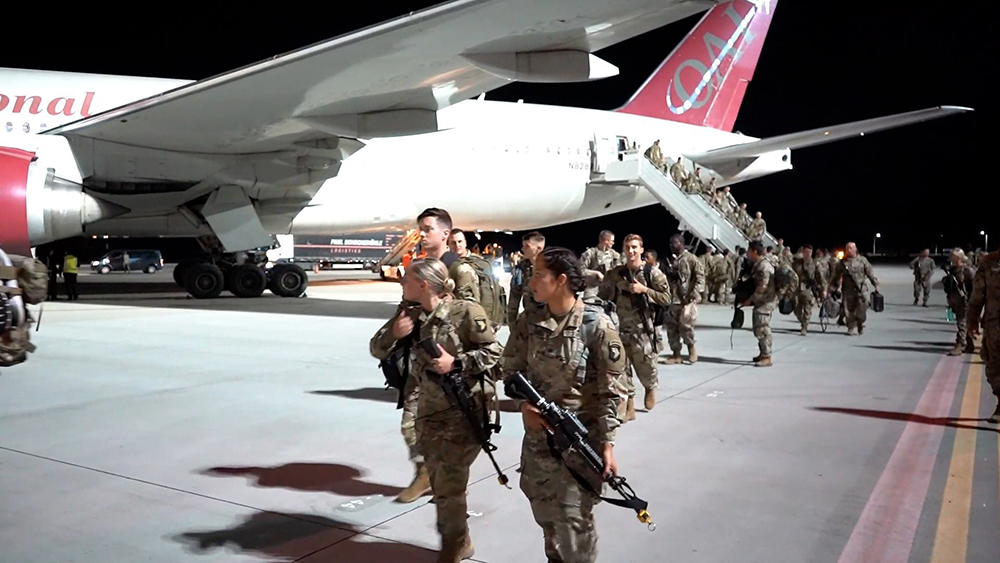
(659, 312)
(19, 284)
(785, 279)
(32, 277)
(492, 296)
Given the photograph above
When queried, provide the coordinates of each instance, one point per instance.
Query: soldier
(717, 276)
(757, 228)
(743, 219)
(651, 258)
(531, 244)
(687, 282)
(780, 249)
(629, 288)
(733, 261)
(811, 285)
(538, 346)
(985, 301)
(694, 181)
(923, 268)
(678, 174)
(462, 333)
(706, 266)
(857, 271)
(466, 280)
(728, 205)
(654, 154)
(708, 190)
(764, 300)
(958, 287)
(435, 226)
(785, 258)
(598, 261)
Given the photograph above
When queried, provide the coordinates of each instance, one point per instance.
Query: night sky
(822, 64)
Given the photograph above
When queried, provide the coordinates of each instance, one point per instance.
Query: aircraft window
(26, 128)
(10, 127)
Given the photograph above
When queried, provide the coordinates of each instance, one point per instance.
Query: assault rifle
(569, 433)
(456, 388)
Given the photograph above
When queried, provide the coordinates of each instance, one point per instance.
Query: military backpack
(22, 281)
(786, 280)
(492, 296)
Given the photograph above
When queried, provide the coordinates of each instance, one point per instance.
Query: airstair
(694, 213)
(395, 254)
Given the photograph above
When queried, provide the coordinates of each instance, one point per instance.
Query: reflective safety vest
(69, 264)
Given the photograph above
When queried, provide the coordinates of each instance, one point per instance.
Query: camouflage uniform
(678, 174)
(986, 295)
(466, 281)
(810, 282)
(596, 260)
(639, 338)
(520, 291)
(685, 290)
(764, 300)
(855, 273)
(923, 269)
(757, 229)
(549, 350)
(958, 300)
(718, 276)
(444, 437)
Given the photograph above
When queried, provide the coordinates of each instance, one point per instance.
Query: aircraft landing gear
(206, 278)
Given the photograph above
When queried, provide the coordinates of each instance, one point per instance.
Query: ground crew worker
(462, 333)
(810, 286)
(632, 293)
(539, 347)
(531, 244)
(70, 270)
(598, 261)
(985, 301)
(958, 289)
(923, 268)
(764, 299)
(435, 225)
(687, 282)
(857, 271)
(126, 262)
(757, 228)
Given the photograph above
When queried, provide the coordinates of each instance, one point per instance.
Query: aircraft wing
(717, 158)
(384, 80)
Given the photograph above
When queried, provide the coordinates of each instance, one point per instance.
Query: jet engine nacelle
(42, 198)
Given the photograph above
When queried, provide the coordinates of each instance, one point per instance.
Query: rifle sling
(634, 503)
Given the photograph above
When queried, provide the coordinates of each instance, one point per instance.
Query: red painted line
(888, 524)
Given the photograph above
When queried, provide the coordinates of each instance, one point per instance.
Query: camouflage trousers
(718, 288)
(407, 426)
(561, 506)
(449, 450)
(641, 355)
(762, 330)
(960, 307)
(805, 303)
(678, 331)
(856, 307)
(991, 355)
(925, 286)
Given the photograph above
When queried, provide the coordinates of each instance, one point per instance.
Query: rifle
(568, 432)
(456, 388)
(641, 304)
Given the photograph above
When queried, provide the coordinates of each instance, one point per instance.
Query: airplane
(362, 132)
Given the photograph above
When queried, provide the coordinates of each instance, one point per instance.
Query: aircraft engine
(42, 198)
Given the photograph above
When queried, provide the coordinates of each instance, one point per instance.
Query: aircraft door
(603, 151)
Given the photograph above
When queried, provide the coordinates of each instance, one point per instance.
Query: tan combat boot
(804, 331)
(420, 486)
(995, 419)
(956, 351)
(692, 355)
(764, 362)
(674, 359)
(650, 399)
(630, 409)
(454, 551)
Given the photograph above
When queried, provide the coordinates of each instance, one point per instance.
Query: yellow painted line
(952, 539)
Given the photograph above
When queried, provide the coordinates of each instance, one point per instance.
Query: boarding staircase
(694, 213)
(395, 255)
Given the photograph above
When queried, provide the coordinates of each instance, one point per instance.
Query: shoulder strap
(8, 272)
(647, 272)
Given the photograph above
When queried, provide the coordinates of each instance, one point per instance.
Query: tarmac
(150, 427)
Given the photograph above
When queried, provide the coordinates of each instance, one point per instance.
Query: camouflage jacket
(810, 276)
(550, 351)
(691, 280)
(596, 260)
(466, 281)
(964, 276)
(765, 297)
(985, 299)
(857, 271)
(757, 229)
(519, 289)
(922, 267)
(616, 288)
(463, 330)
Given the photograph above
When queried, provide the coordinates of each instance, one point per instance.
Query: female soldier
(463, 336)
(580, 369)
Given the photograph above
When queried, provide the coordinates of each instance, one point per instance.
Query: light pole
(987, 242)
(877, 236)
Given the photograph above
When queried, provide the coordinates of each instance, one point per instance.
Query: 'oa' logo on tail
(718, 49)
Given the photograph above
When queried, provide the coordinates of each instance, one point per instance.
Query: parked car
(149, 261)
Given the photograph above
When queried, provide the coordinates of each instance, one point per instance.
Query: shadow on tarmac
(389, 396)
(922, 349)
(335, 478)
(301, 537)
(909, 417)
(267, 303)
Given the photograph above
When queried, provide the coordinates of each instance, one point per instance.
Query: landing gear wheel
(179, 272)
(288, 280)
(247, 280)
(204, 281)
